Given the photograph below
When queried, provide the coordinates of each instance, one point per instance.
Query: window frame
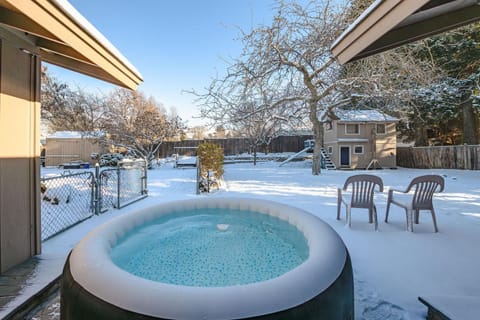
(358, 146)
(329, 125)
(384, 127)
(357, 125)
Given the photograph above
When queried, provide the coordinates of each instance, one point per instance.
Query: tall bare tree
(138, 124)
(290, 59)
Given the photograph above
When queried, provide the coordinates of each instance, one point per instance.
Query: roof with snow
(73, 135)
(363, 116)
(63, 37)
(389, 24)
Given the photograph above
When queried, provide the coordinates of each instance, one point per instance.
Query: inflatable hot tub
(321, 287)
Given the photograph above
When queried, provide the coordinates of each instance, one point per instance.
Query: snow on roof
(363, 115)
(70, 10)
(72, 135)
(357, 21)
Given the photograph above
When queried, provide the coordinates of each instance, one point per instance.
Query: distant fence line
(233, 146)
(441, 157)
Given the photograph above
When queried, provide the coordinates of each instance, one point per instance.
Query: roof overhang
(387, 24)
(63, 37)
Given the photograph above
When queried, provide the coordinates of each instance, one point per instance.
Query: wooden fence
(442, 157)
(233, 146)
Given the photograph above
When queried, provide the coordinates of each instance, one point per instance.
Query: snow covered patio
(392, 267)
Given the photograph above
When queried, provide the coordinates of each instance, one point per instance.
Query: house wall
(60, 150)
(384, 150)
(387, 147)
(19, 151)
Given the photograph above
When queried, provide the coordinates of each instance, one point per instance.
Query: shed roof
(387, 24)
(363, 116)
(73, 135)
(65, 38)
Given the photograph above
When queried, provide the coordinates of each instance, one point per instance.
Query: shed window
(328, 125)
(358, 150)
(381, 128)
(352, 128)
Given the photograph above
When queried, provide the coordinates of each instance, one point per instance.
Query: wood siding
(441, 157)
(234, 146)
(19, 153)
(58, 150)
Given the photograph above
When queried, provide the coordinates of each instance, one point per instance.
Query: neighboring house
(360, 139)
(67, 146)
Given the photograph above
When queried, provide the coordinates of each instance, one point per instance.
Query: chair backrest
(363, 189)
(424, 188)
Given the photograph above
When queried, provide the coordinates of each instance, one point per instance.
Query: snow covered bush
(110, 159)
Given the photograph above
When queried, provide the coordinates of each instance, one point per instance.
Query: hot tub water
(188, 249)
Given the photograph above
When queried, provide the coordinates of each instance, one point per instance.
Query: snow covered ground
(392, 267)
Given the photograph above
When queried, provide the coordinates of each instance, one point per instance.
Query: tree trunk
(469, 123)
(318, 136)
(420, 131)
(255, 155)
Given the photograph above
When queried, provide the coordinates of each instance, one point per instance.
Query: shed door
(345, 156)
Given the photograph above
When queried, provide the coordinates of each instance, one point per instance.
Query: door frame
(349, 156)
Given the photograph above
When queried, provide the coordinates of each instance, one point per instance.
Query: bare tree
(199, 132)
(65, 109)
(291, 61)
(251, 110)
(138, 124)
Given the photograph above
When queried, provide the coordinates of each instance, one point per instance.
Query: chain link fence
(73, 197)
(65, 201)
(121, 186)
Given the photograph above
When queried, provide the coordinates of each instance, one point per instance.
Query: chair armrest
(391, 190)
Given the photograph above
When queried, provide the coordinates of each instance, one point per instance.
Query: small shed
(360, 139)
(71, 146)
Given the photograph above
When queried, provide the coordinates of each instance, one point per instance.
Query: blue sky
(175, 44)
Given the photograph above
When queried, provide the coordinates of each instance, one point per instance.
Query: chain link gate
(65, 201)
(121, 186)
(69, 199)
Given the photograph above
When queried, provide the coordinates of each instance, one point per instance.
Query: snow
(65, 135)
(392, 267)
(69, 10)
(363, 115)
(73, 135)
(357, 21)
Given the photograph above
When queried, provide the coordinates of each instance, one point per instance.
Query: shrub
(210, 157)
(110, 159)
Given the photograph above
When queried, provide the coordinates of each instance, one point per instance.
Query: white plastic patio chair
(420, 199)
(361, 196)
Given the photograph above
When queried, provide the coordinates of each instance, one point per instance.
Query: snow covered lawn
(392, 267)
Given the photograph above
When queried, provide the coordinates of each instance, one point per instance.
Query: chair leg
(409, 220)
(375, 218)
(370, 216)
(388, 209)
(339, 203)
(349, 216)
(434, 220)
(417, 215)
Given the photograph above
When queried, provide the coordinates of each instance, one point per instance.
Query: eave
(388, 24)
(63, 37)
